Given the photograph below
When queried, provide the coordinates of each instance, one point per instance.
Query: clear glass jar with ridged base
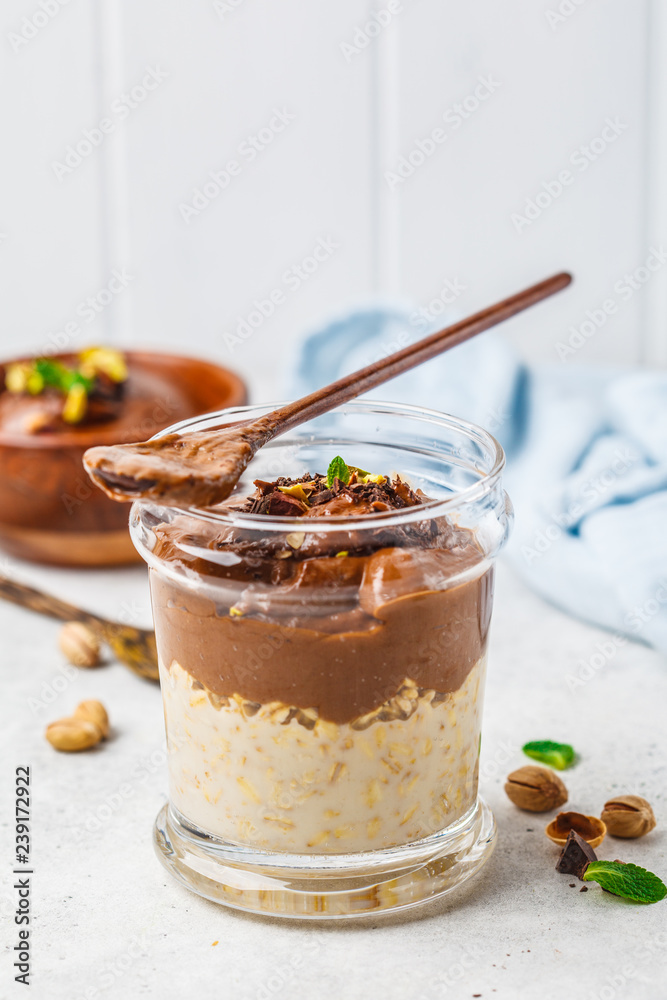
(322, 648)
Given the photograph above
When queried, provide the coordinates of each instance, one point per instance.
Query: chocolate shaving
(283, 505)
(576, 856)
(388, 495)
(271, 560)
(322, 497)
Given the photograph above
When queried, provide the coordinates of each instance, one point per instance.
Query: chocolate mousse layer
(333, 621)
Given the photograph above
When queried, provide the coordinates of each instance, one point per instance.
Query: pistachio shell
(79, 644)
(72, 735)
(535, 789)
(591, 828)
(628, 816)
(94, 711)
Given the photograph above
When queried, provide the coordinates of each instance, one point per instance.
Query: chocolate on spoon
(202, 468)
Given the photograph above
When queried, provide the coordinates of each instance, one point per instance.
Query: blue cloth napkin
(586, 450)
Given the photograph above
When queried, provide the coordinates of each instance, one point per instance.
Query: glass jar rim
(266, 523)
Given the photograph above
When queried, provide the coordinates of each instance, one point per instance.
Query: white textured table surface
(110, 923)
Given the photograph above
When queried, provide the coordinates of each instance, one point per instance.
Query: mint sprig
(337, 470)
(558, 755)
(629, 881)
(60, 377)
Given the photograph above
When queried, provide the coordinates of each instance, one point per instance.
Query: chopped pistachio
(235, 613)
(76, 403)
(295, 491)
(34, 383)
(103, 359)
(342, 553)
(74, 383)
(373, 478)
(16, 377)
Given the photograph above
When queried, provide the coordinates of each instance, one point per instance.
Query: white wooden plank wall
(395, 144)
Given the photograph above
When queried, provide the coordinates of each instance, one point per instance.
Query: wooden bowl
(50, 512)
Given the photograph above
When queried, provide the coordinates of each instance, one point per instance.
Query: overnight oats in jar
(322, 642)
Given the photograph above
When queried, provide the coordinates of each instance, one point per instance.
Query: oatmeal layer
(281, 778)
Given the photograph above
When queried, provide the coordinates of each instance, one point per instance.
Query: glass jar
(323, 676)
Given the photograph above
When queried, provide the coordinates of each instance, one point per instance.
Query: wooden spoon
(135, 647)
(202, 468)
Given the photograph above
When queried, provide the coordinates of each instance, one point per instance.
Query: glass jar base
(325, 886)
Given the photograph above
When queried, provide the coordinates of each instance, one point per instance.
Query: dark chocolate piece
(576, 856)
(282, 505)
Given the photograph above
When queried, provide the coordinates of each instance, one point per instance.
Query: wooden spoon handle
(135, 647)
(45, 604)
(381, 371)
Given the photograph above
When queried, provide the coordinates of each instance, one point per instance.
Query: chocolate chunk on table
(576, 856)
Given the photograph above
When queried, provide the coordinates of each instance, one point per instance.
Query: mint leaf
(53, 372)
(60, 377)
(629, 881)
(73, 378)
(337, 470)
(558, 755)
